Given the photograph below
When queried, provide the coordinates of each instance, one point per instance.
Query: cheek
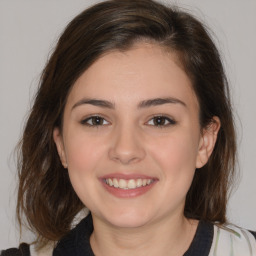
(174, 153)
(83, 157)
(83, 154)
(176, 158)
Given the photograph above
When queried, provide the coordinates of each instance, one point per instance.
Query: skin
(128, 141)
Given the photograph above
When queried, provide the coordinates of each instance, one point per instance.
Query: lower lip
(127, 193)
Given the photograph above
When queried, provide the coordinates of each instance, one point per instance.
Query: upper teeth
(128, 184)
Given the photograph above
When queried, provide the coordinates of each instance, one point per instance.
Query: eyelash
(91, 118)
(89, 121)
(169, 121)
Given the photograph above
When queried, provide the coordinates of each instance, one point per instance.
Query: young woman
(133, 122)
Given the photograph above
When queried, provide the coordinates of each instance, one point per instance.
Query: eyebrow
(160, 101)
(95, 102)
(142, 104)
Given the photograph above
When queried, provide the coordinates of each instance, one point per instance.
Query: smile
(128, 184)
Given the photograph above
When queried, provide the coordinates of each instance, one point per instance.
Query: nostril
(126, 146)
(126, 157)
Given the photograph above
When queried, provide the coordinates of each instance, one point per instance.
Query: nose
(127, 146)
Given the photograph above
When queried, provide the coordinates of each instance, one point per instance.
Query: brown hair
(45, 194)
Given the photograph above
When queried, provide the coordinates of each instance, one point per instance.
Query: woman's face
(131, 137)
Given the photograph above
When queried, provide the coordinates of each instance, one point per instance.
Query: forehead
(144, 71)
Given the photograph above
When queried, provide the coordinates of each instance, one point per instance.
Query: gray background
(28, 32)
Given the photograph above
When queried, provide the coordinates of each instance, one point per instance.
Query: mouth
(128, 184)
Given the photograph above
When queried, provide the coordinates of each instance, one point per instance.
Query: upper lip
(127, 176)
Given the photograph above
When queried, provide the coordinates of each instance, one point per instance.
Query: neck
(165, 237)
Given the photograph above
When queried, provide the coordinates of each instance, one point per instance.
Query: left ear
(57, 137)
(207, 142)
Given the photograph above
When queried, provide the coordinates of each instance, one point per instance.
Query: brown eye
(161, 121)
(95, 121)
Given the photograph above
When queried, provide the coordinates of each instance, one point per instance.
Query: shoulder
(253, 233)
(82, 228)
(28, 250)
(233, 240)
(77, 241)
(23, 250)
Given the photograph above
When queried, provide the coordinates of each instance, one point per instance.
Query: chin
(127, 219)
(131, 222)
